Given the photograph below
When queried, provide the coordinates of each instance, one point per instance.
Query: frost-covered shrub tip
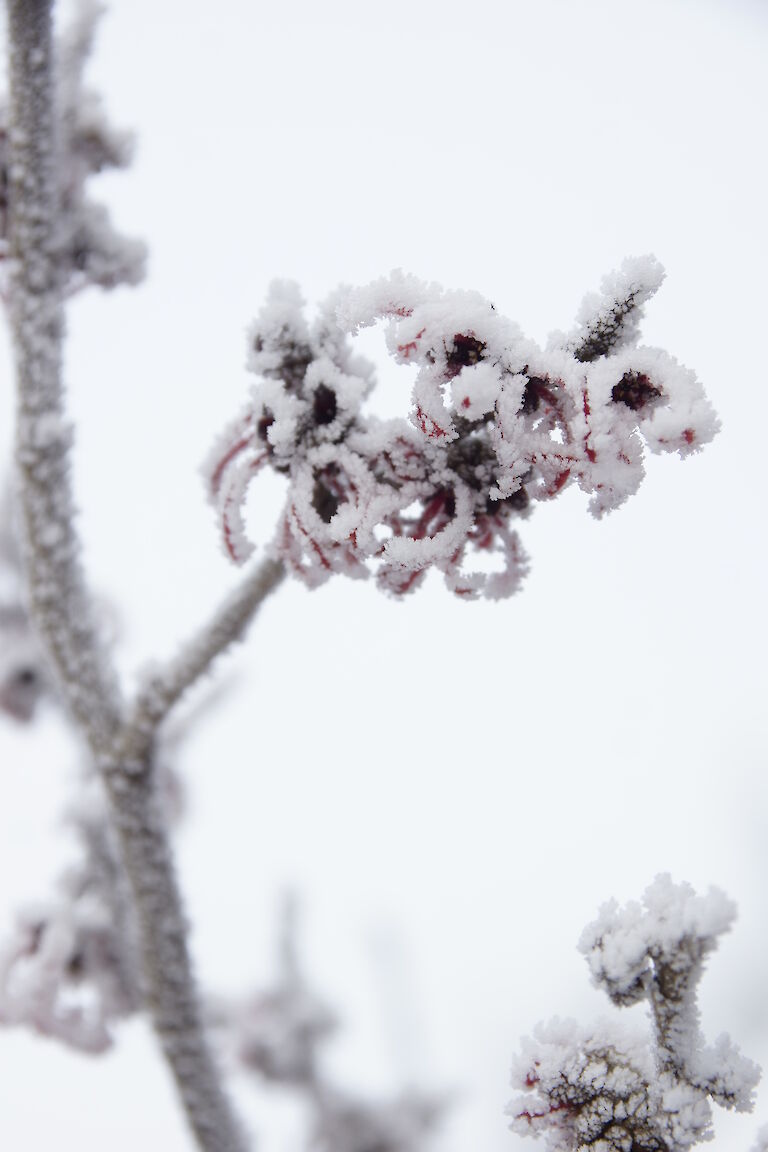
(612, 1089)
(496, 424)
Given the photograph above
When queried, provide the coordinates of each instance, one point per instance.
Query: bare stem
(60, 603)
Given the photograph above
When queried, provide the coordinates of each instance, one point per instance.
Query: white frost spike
(611, 319)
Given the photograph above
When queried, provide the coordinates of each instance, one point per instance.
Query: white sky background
(452, 788)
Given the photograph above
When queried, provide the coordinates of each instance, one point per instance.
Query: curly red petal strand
(428, 426)
(406, 349)
(590, 452)
(227, 458)
(320, 554)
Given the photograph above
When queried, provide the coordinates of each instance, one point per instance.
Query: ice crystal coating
(24, 678)
(496, 424)
(612, 1090)
(89, 249)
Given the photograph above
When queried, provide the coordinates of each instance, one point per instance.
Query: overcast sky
(452, 788)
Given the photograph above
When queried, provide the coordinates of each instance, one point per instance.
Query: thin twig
(227, 625)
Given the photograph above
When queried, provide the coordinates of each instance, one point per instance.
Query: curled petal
(492, 535)
(234, 440)
(233, 485)
(440, 530)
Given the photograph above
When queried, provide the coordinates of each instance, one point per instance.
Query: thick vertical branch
(172, 997)
(59, 600)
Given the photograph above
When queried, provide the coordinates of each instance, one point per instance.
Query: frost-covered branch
(165, 686)
(171, 991)
(60, 601)
(609, 1088)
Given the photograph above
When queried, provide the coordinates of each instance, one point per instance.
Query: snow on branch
(611, 1089)
(496, 424)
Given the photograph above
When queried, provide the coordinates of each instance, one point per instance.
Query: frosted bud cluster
(612, 1089)
(496, 423)
(69, 969)
(90, 250)
(62, 975)
(280, 1035)
(277, 1033)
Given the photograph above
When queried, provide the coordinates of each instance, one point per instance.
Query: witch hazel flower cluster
(611, 1089)
(496, 424)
